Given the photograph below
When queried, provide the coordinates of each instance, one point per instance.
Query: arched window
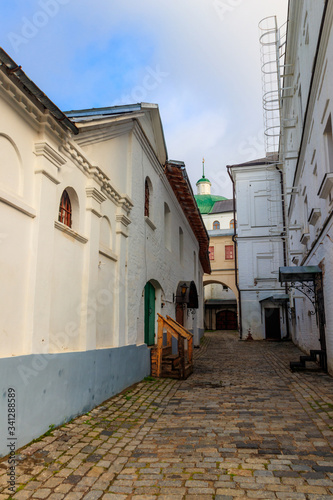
(181, 245)
(216, 224)
(65, 210)
(167, 226)
(146, 198)
(232, 223)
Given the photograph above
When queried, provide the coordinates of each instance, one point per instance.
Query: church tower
(203, 184)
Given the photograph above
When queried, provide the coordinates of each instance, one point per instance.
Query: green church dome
(206, 202)
(203, 179)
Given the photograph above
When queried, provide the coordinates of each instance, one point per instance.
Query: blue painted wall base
(54, 388)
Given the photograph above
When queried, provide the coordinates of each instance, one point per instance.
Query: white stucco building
(306, 149)
(260, 248)
(95, 240)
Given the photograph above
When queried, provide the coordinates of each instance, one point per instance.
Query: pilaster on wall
(93, 214)
(121, 281)
(47, 164)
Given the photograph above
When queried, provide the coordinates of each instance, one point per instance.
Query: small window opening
(65, 210)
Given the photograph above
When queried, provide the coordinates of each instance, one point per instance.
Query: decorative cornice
(125, 221)
(13, 92)
(44, 149)
(126, 203)
(103, 180)
(48, 175)
(29, 107)
(19, 205)
(95, 194)
(150, 223)
(107, 253)
(70, 232)
(98, 175)
(76, 156)
(95, 212)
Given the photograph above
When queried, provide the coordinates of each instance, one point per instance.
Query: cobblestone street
(242, 426)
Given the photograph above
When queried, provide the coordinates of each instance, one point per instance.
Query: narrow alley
(242, 426)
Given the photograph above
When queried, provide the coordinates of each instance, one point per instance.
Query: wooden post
(190, 351)
(159, 345)
(169, 341)
(181, 352)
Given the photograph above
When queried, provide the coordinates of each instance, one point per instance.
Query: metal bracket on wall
(307, 290)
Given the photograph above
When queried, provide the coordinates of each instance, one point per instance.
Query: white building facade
(91, 231)
(260, 249)
(307, 152)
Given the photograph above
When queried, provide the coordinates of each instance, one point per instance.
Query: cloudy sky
(199, 60)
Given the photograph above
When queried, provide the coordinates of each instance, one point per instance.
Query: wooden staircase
(315, 356)
(165, 364)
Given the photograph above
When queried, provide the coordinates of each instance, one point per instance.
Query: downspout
(235, 253)
(283, 234)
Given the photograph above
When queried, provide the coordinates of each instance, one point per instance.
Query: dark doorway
(180, 314)
(272, 323)
(226, 320)
(149, 314)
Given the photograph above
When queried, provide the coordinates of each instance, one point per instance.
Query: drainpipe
(283, 234)
(235, 253)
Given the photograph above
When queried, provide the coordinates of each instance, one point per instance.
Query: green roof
(206, 202)
(203, 179)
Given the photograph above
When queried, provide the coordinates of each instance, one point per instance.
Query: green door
(149, 314)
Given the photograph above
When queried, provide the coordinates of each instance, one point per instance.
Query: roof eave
(178, 180)
(16, 74)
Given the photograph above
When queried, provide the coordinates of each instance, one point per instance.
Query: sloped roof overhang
(96, 117)
(17, 75)
(176, 174)
(295, 274)
(276, 299)
(232, 303)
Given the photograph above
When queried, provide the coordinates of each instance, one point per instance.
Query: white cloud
(95, 53)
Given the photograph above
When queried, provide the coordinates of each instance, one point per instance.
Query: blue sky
(199, 60)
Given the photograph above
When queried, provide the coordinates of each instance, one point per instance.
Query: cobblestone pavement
(242, 426)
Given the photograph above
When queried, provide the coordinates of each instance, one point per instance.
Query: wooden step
(303, 359)
(296, 365)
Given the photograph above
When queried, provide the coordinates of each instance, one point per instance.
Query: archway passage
(226, 320)
(220, 306)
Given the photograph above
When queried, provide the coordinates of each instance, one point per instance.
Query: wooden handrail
(179, 332)
(180, 329)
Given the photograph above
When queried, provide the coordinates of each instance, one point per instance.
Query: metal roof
(130, 111)
(206, 202)
(221, 302)
(178, 179)
(75, 115)
(298, 273)
(282, 297)
(220, 232)
(269, 159)
(15, 73)
(223, 206)
(203, 179)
